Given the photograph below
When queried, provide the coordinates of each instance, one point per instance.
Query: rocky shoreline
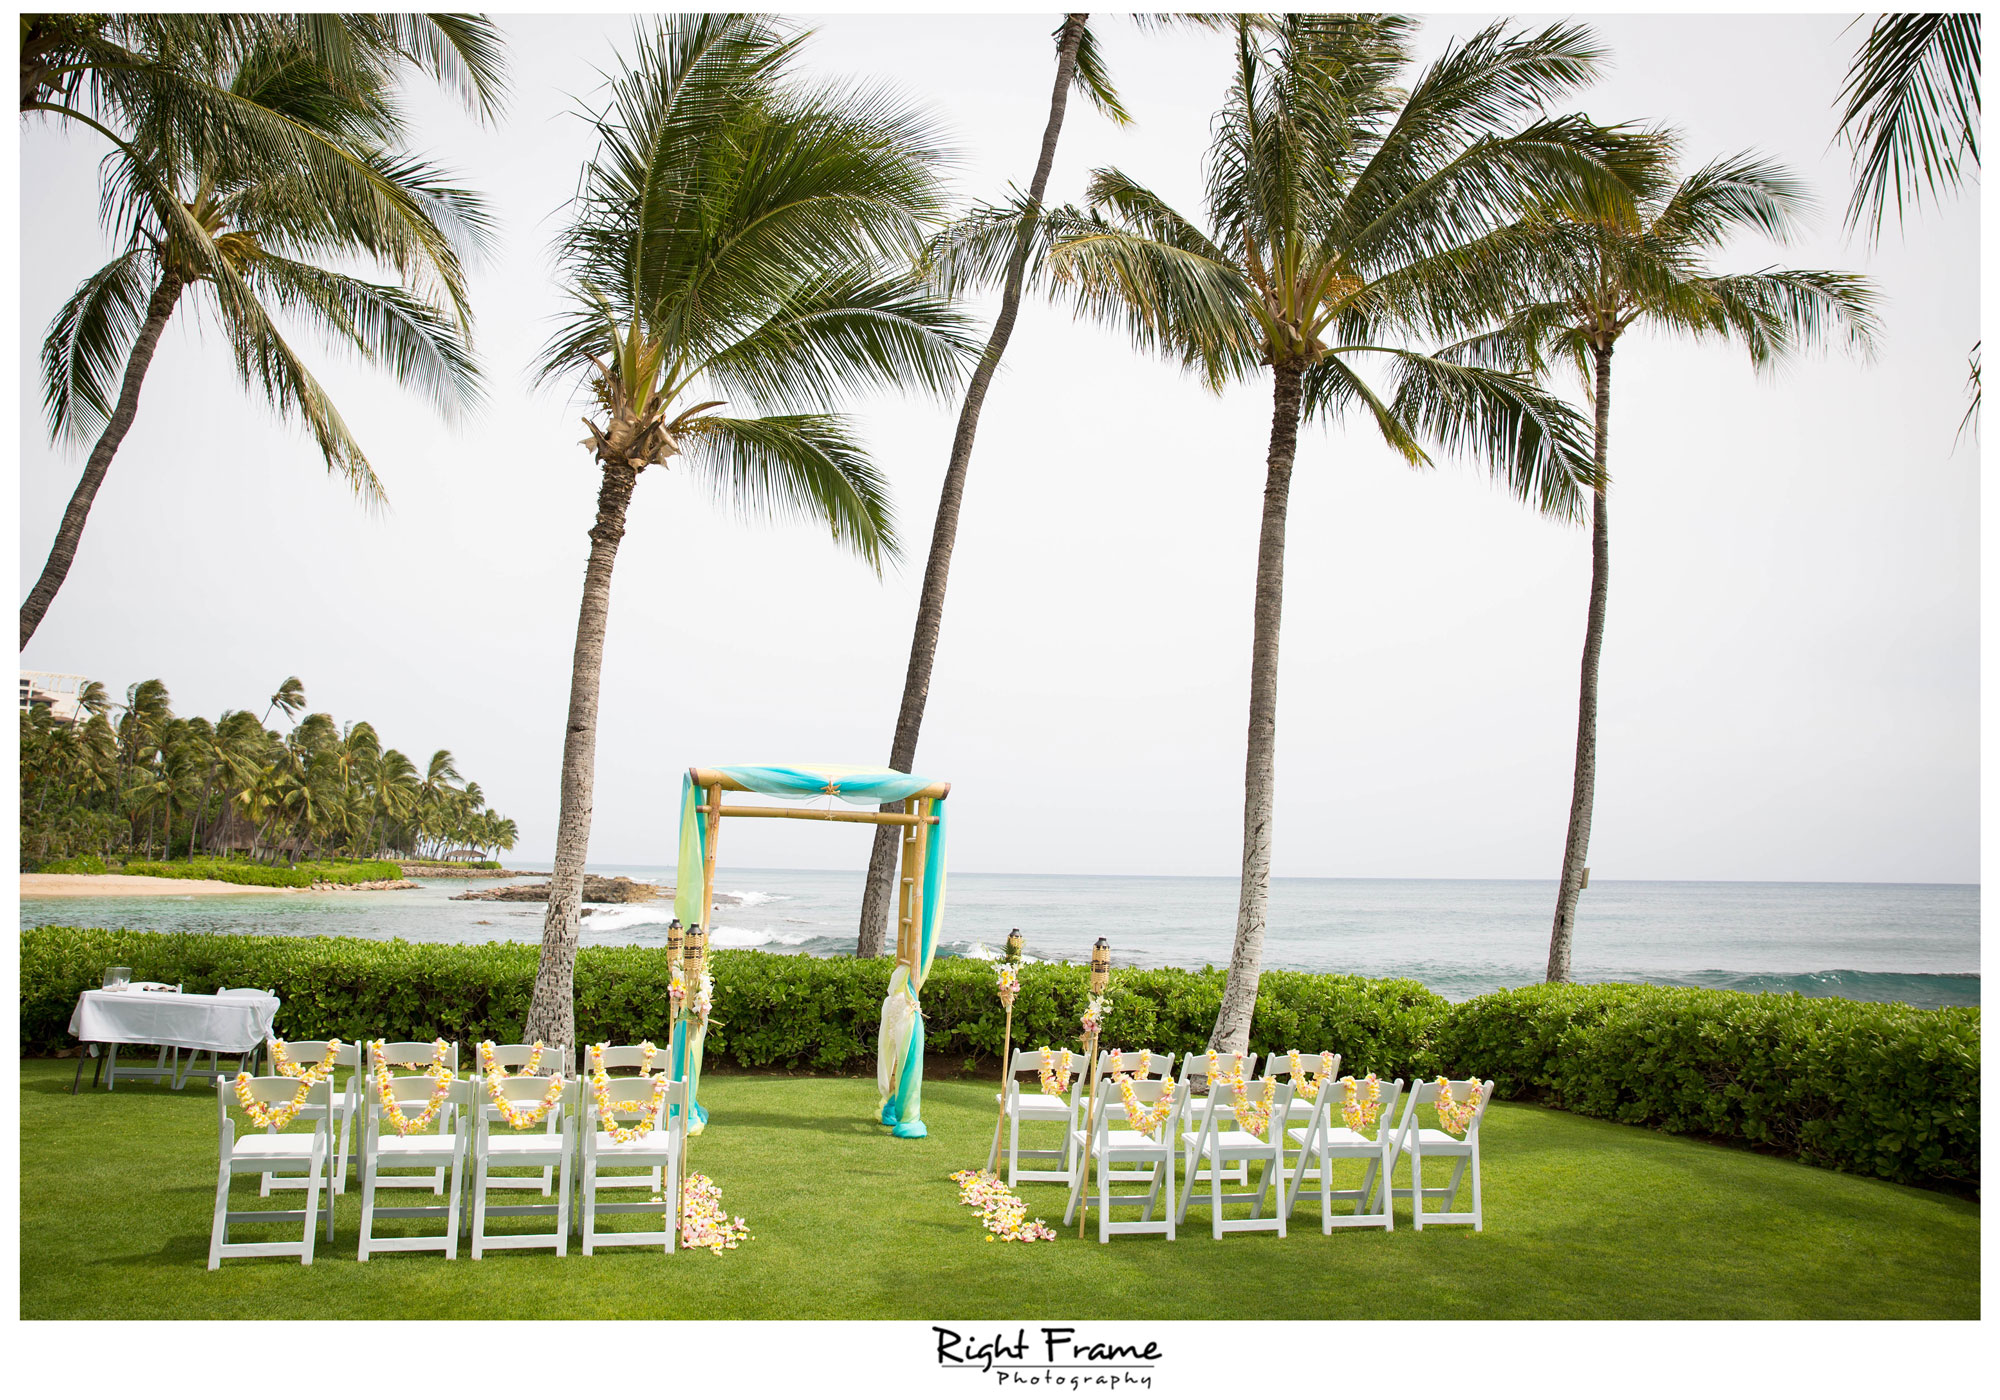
(325, 885)
(597, 889)
(417, 870)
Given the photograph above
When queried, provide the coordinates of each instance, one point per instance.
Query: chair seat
(1045, 1103)
(539, 1144)
(1227, 1140)
(426, 1144)
(1122, 1139)
(1335, 1137)
(653, 1144)
(1427, 1138)
(262, 1145)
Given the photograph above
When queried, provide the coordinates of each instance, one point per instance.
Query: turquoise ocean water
(1910, 943)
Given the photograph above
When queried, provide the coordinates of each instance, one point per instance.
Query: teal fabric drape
(899, 1066)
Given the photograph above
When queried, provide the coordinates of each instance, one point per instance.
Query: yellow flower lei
(496, 1087)
(282, 1062)
(439, 1049)
(281, 1114)
(646, 1052)
(1144, 1120)
(1254, 1120)
(1234, 1081)
(1301, 1085)
(1055, 1081)
(600, 1089)
(386, 1091)
(1357, 1113)
(1455, 1118)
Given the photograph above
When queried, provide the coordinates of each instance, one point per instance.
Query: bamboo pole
(675, 933)
(1013, 959)
(821, 814)
(716, 778)
(1100, 977)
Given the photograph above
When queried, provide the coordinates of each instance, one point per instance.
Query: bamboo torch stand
(1013, 960)
(1100, 977)
(694, 959)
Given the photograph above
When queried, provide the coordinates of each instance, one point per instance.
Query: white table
(234, 1023)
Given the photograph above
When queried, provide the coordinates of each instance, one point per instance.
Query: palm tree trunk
(879, 893)
(1583, 793)
(1239, 994)
(70, 532)
(552, 1011)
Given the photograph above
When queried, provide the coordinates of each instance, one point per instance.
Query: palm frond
(1093, 77)
(1912, 112)
(803, 466)
(84, 353)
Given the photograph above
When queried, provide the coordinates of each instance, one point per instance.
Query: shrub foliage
(1884, 1090)
(245, 872)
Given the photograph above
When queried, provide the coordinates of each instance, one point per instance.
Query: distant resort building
(61, 693)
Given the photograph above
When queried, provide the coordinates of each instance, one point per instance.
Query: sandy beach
(83, 886)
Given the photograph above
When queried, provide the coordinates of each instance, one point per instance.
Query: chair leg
(1013, 1148)
(1168, 1167)
(1417, 1185)
(1153, 1190)
(1478, 1214)
(311, 1213)
(670, 1185)
(1104, 1203)
(1075, 1190)
(1451, 1191)
(218, 1231)
(589, 1211)
(1214, 1194)
(452, 1212)
(479, 1207)
(367, 1208)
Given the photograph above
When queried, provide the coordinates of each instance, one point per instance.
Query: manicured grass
(1584, 1219)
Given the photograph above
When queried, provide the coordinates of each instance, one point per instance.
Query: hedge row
(1884, 1090)
(245, 872)
(73, 865)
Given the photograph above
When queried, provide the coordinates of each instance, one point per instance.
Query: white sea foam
(749, 897)
(754, 938)
(606, 917)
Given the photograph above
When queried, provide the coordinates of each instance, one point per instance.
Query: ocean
(1911, 943)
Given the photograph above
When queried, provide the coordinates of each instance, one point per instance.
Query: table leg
(111, 1070)
(97, 1068)
(80, 1057)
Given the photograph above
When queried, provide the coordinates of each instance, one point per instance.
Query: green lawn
(1583, 1219)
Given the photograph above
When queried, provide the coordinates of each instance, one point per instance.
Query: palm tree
(247, 185)
(290, 697)
(1078, 64)
(1602, 275)
(735, 238)
(1912, 119)
(1341, 211)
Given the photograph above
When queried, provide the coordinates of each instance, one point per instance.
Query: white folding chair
(1327, 1139)
(1194, 1065)
(639, 1063)
(1141, 1064)
(659, 1148)
(541, 1060)
(1041, 1107)
(302, 1055)
(1221, 1137)
(1151, 1147)
(1418, 1142)
(414, 1057)
(522, 1148)
(306, 1152)
(1316, 1067)
(382, 1146)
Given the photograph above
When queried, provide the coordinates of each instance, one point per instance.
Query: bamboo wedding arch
(918, 806)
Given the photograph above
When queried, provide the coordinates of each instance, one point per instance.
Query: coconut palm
(1912, 119)
(1078, 65)
(290, 697)
(249, 204)
(1341, 209)
(739, 239)
(1602, 275)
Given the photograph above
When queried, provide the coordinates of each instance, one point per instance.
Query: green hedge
(1872, 1087)
(74, 865)
(1884, 1090)
(245, 872)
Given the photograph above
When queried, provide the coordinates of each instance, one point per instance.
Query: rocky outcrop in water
(597, 889)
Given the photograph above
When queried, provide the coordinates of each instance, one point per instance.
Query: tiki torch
(1010, 986)
(1100, 977)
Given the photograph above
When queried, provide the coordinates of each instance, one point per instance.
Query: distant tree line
(137, 779)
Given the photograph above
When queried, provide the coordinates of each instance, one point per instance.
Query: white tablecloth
(232, 1024)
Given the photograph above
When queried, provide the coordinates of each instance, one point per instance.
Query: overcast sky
(1790, 676)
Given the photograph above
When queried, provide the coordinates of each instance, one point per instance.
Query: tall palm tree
(1341, 210)
(1078, 64)
(290, 697)
(251, 201)
(1602, 274)
(1912, 119)
(741, 237)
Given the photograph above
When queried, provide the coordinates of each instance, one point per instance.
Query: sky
(1790, 672)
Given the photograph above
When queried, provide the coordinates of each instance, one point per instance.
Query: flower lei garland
(393, 1111)
(277, 1115)
(439, 1049)
(496, 1087)
(282, 1062)
(1234, 1079)
(1358, 1113)
(704, 1224)
(1004, 1214)
(647, 1050)
(600, 1091)
(1254, 1120)
(1010, 983)
(1454, 1117)
(1055, 1082)
(1143, 1120)
(1308, 1088)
